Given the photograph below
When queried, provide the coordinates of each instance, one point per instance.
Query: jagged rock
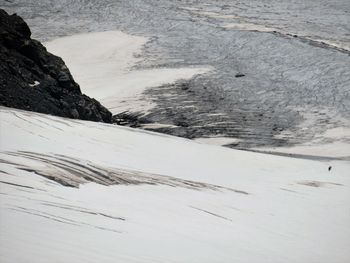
(126, 118)
(33, 79)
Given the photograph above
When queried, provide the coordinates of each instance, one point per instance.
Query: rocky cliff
(33, 79)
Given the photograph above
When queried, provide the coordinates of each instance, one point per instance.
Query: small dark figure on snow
(329, 168)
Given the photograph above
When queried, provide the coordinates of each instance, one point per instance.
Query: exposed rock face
(33, 79)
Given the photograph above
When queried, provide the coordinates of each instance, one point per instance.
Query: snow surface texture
(147, 197)
(101, 64)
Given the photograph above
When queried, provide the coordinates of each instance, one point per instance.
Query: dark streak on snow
(82, 210)
(288, 190)
(20, 185)
(70, 171)
(211, 213)
(59, 218)
(24, 210)
(317, 183)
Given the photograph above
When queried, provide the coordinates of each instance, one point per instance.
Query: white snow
(249, 27)
(102, 62)
(206, 203)
(34, 84)
(217, 140)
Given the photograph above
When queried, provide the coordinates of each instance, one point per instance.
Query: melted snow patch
(249, 27)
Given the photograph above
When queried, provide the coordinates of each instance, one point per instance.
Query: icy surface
(146, 197)
(294, 55)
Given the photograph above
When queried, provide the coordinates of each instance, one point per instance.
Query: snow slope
(147, 197)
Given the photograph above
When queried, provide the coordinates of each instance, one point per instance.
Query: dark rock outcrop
(33, 79)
